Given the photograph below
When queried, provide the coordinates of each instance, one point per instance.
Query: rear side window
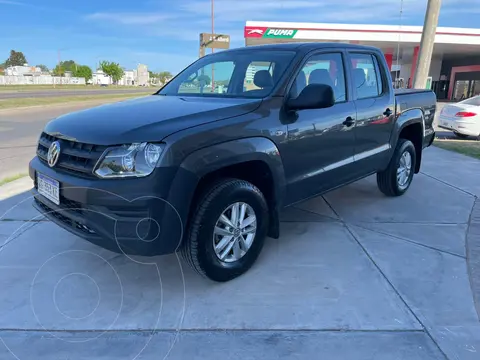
(367, 79)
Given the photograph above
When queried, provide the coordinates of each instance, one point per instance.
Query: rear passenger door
(374, 101)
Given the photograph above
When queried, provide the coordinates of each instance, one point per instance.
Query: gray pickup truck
(205, 165)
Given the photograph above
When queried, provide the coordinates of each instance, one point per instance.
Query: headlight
(135, 160)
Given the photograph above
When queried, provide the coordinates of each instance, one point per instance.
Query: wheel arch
(410, 125)
(256, 160)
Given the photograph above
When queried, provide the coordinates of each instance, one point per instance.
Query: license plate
(49, 188)
(445, 123)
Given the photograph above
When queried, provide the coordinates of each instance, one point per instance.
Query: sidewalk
(355, 275)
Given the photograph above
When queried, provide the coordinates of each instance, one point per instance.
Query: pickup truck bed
(422, 99)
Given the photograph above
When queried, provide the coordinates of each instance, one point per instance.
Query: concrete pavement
(355, 275)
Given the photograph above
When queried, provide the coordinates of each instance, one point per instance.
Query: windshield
(250, 74)
(472, 101)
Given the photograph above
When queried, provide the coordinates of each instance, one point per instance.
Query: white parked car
(463, 118)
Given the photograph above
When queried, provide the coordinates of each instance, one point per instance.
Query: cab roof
(295, 46)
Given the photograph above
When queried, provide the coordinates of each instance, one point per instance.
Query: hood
(150, 118)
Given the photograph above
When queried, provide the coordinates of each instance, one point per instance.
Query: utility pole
(426, 43)
(59, 69)
(213, 32)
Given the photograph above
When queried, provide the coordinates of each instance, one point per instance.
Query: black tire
(387, 179)
(198, 249)
(460, 136)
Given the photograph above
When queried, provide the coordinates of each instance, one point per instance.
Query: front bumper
(141, 216)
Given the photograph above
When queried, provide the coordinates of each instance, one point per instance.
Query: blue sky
(164, 33)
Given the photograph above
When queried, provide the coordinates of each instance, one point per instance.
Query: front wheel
(397, 177)
(227, 230)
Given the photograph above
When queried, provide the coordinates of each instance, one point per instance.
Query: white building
(23, 70)
(99, 78)
(135, 77)
(129, 78)
(143, 76)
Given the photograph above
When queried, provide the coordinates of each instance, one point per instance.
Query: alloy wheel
(234, 232)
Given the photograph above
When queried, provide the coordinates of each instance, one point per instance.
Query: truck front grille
(75, 157)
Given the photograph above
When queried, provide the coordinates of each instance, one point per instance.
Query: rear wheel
(397, 177)
(227, 230)
(460, 136)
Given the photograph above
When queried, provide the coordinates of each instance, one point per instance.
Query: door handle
(349, 121)
(387, 112)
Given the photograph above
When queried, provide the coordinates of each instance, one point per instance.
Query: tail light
(465, 114)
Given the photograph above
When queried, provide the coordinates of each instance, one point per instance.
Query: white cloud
(130, 18)
(187, 18)
(9, 2)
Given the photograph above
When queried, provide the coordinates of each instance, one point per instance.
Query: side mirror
(313, 96)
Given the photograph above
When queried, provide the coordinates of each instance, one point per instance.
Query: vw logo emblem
(53, 153)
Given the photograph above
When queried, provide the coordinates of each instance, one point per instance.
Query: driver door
(319, 153)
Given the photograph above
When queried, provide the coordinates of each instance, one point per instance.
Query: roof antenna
(399, 35)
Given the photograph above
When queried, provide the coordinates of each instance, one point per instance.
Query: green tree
(58, 70)
(16, 58)
(164, 76)
(82, 71)
(112, 69)
(68, 65)
(44, 68)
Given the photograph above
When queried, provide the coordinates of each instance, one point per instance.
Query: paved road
(19, 131)
(355, 275)
(80, 91)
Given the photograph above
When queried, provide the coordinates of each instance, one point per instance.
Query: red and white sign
(254, 32)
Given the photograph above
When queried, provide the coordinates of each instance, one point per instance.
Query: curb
(473, 253)
(15, 187)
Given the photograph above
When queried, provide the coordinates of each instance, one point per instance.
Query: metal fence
(40, 80)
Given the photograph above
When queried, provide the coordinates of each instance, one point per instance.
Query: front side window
(246, 73)
(322, 69)
(210, 78)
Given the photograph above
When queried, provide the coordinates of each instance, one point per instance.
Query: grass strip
(11, 178)
(36, 101)
(465, 147)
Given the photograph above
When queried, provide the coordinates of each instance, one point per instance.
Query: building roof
(400, 40)
(372, 32)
